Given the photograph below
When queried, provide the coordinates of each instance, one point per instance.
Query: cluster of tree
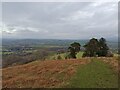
(96, 47)
(93, 48)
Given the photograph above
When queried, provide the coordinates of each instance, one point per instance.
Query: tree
(76, 46)
(91, 48)
(74, 49)
(59, 57)
(103, 48)
(96, 48)
(72, 53)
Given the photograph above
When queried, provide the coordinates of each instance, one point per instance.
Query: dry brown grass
(38, 74)
(112, 61)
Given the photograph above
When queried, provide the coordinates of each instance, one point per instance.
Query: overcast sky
(75, 20)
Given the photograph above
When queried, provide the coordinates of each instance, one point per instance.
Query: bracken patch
(40, 74)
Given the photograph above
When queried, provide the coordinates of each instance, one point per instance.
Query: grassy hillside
(63, 55)
(83, 73)
(47, 73)
(95, 75)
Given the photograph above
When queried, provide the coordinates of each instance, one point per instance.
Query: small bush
(59, 57)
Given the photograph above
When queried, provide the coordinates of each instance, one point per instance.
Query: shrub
(59, 57)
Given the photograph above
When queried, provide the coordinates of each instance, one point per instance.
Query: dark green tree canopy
(103, 48)
(91, 47)
(73, 49)
(76, 46)
(96, 48)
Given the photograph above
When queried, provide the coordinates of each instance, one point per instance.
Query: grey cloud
(60, 20)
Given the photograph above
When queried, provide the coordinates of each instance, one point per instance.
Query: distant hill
(49, 42)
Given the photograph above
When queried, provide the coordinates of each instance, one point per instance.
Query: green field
(63, 55)
(79, 55)
(6, 53)
(96, 74)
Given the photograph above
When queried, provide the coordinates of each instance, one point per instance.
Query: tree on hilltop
(103, 48)
(96, 48)
(74, 49)
(91, 48)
